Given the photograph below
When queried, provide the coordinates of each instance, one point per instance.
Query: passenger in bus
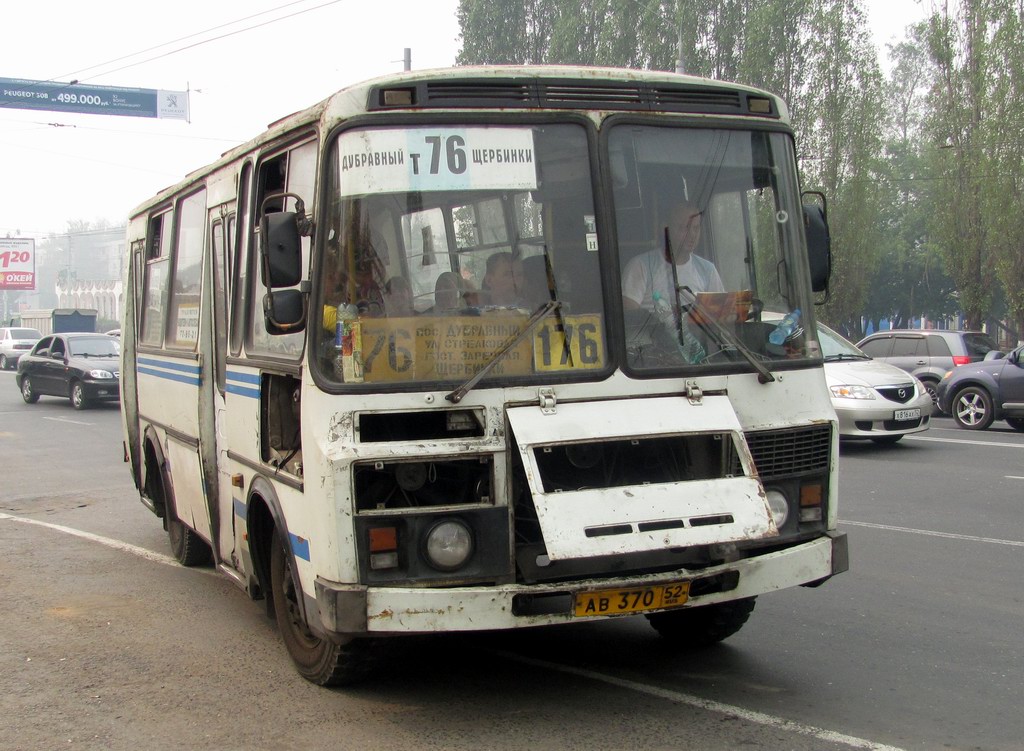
(398, 298)
(503, 280)
(447, 293)
(651, 272)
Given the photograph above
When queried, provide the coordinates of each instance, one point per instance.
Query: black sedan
(82, 367)
(981, 392)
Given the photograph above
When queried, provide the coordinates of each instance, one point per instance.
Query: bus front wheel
(318, 660)
(696, 628)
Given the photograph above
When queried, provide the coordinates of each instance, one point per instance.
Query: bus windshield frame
(442, 240)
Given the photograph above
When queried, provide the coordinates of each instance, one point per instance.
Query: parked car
(873, 400)
(980, 393)
(14, 342)
(82, 367)
(927, 354)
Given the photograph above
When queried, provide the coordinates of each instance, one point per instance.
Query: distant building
(105, 296)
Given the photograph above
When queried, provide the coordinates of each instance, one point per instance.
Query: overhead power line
(175, 41)
(205, 41)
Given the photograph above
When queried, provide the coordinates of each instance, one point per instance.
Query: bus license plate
(907, 414)
(635, 600)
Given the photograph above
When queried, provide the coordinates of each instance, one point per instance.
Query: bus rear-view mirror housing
(281, 248)
(819, 241)
(284, 310)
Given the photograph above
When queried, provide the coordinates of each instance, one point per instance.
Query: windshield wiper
(845, 356)
(708, 323)
(542, 312)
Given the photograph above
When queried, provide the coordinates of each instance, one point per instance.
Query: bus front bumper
(347, 610)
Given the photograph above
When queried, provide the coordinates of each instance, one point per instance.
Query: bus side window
(158, 259)
(188, 266)
(293, 171)
(239, 266)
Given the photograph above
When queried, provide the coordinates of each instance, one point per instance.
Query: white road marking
(64, 419)
(965, 442)
(124, 547)
(690, 700)
(931, 533)
(760, 718)
(1014, 477)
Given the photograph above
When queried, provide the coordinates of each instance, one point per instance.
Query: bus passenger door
(222, 223)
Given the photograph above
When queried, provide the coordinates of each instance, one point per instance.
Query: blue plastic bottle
(785, 328)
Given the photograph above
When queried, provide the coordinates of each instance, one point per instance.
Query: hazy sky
(57, 167)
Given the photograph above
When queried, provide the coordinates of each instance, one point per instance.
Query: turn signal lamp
(383, 548)
(810, 502)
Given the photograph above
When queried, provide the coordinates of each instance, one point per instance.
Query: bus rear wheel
(318, 660)
(697, 628)
(187, 547)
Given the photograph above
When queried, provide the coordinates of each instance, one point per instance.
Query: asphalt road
(107, 643)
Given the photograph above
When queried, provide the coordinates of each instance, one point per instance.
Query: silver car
(15, 342)
(873, 400)
(927, 354)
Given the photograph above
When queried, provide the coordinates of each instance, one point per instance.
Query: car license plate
(907, 414)
(633, 600)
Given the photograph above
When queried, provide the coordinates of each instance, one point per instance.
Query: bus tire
(187, 547)
(318, 660)
(697, 628)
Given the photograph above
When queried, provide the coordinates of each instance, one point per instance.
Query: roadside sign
(17, 263)
(25, 94)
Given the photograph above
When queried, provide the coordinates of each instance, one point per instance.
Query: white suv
(14, 343)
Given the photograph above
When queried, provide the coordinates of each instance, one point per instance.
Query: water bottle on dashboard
(785, 328)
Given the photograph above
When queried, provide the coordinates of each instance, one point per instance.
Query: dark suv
(928, 354)
(978, 394)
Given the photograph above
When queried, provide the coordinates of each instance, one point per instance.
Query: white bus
(415, 360)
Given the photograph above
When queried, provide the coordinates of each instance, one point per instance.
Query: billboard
(24, 94)
(17, 263)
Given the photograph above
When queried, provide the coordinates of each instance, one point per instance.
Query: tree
(958, 47)
(815, 53)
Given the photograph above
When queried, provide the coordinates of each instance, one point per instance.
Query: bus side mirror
(819, 242)
(281, 248)
(284, 311)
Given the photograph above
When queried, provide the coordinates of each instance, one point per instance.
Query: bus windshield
(442, 242)
(723, 205)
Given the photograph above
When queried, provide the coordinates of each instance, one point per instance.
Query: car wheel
(27, 392)
(1017, 423)
(78, 398)
(930, 387)
(4, 364)
(972, 408)
(318, 660)
(697, 628)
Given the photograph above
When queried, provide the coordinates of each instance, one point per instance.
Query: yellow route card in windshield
(456, 347)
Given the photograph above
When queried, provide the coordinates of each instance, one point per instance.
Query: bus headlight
(779, 507)
(449, 544)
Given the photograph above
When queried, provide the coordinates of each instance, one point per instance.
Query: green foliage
(922, 168)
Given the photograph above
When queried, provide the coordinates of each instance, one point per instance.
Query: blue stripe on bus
(194, 369)
(191, 380)
(300, 546)
(233, 375)
(240, 509)
(240, 391)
